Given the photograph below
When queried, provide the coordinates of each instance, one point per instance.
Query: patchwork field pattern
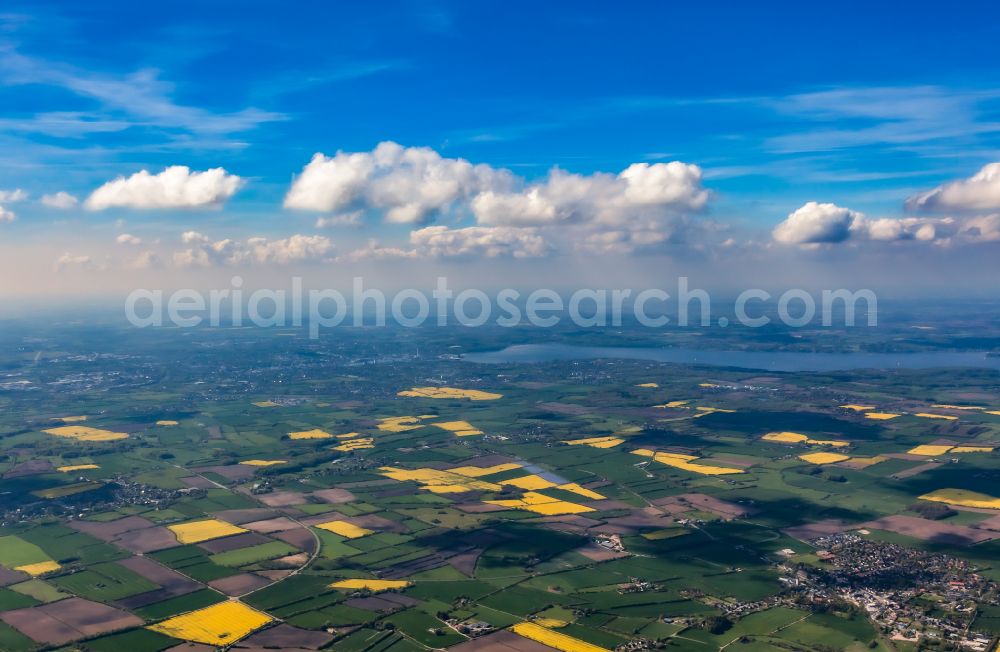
(339, 497)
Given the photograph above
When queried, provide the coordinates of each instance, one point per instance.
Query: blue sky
(778, 105)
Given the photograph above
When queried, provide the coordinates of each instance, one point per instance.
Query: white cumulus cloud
(641, 191)
(354, 218)
(815, 223)
(888, 229)
(62, 200)
(413, 185)
(622, 241)
(297, 248)
(529, 207)
(983, 228)
(12, 196)
(204, 252)
(145, 260)
(175, 187)
(374, 250)
(479, 241)
(408, 185)
(6, 215)
(68, 260)
(665, 184)
(980, 192)
(128, 239)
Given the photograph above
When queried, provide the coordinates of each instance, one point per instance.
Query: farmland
(434, 503)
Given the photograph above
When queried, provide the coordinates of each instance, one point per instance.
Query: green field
(15, 551)
(40, 590)
(252, 554)
(104, 582)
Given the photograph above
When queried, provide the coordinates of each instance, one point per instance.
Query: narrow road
(308, 562)
(770, 633)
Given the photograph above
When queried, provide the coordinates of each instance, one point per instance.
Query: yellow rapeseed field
(77, 467)
(399, 424)
(993, 412)
(315, 433)
(596, 442)
(795, 437)
(556, 640)
(221, 624)
(463, 479)
(262, 462)
(573, 487)
(438, 481)
(672, 456)
(707, 385)
(785, 437)
(355, 444)
(929, 450)
(460, 428)
(963, 498)
(551, 623)
(865, 462)
(529, 482)
(206, 530)
(374, 586)
(85, 433)
(478, 471)
(71, 419)
(858, 408)
(945, 406)
(450, 392)
(345, 529)
(542, 504)
(880, 416)
(167, 422)
(931, 415)
(684, 462)
(823, 458)
(972, 449)
(647, 385)
(39, 568)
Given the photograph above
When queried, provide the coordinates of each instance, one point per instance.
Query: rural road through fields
(771, 633)
(312, 557)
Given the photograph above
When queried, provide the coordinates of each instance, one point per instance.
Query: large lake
(758, 360)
